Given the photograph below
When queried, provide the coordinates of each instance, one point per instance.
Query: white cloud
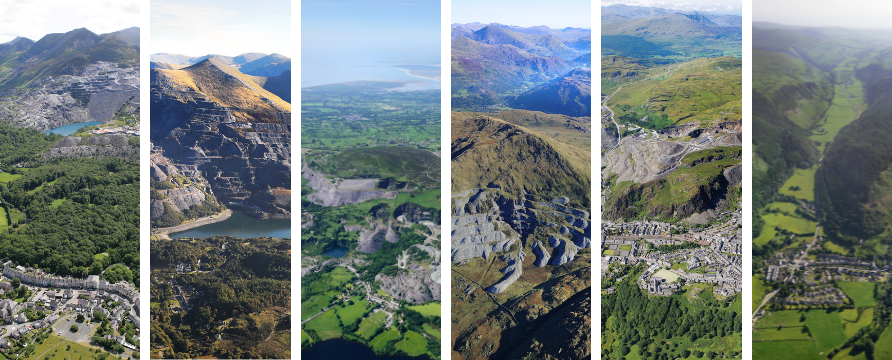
(35, 18)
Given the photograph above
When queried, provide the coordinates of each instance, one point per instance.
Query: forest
(250, 276)
(653, 324)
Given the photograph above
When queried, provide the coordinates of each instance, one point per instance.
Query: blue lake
(240, 225)
(71, 128)
(337, 252)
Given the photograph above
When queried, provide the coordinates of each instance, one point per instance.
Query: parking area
(82, 334)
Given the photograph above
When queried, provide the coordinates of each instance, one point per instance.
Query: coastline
(163, 232)
(414, 74)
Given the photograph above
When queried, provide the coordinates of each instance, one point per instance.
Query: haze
(34, 19)
(556, 15)
(856, 14)
(731, 7)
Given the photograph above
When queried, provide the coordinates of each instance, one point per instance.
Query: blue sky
(225, 27)
(35, 18)
(357, 25)
(554, 14)
(733, 7)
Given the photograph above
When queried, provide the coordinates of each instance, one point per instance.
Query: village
(675, 256)
(64, 305)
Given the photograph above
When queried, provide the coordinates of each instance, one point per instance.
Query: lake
(343, 349)
(71, 128)
(337, 252)
(240, 225)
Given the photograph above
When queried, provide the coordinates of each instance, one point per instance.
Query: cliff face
(94, 147)
(234, 133)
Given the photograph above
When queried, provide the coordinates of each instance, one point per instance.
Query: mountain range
(256, 64)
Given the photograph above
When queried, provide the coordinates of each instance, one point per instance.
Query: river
(240, 225)
(71, 128)
(344, 349)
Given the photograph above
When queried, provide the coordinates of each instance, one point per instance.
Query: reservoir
(343, 349)
(337, 252)
(71, 128)
(240, 225)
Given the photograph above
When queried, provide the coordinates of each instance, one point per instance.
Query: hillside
(487, 152)
(255, 64)
(569, 95)
(677, 34)
(212, 118)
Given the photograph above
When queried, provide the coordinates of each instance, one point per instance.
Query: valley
(671, 130)
(819, 250)
(521, 192)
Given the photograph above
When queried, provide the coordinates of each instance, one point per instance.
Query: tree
(80, 318)
(74, 328)
(16, 282)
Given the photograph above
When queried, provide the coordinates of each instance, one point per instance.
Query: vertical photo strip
(70, 180)
(821, 195)
(370, 246)
(220, 179)
(521, 145)
(671, 181)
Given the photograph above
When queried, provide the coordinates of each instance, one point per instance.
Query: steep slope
(487, 152)
(569, 95)
(237, 134)
(676, 34)
(543, 44)
(268, 66)
(278, 85)
(821, 52)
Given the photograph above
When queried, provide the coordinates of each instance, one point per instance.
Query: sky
(348, 40)
(224, 27)
(554, 14)
(733, 7)
(34, 19)
(856, 14)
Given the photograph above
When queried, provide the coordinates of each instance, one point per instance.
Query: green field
(4, 222)
(428, 199)
(852, 323)
(7, 177)
(786, 350)
(883, 348)
(353, 312)
(784, 333)
(413, 343)
(63, 349)
(609, 252)
(326, 326)
(766, 235)
(379, 341)
(826, 329)
(430, 330)
(429, 309)
(625, 247)
(56, 203)
(846, 354)
(319, 293)
(304, 337)
(861, 292)
(369, 325)
(781, 318)
(760, 289)
(805, 180)
(795, 225)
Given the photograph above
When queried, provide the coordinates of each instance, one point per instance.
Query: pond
(71, 128)
(240, 225)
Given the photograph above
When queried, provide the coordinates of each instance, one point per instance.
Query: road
(764, 301)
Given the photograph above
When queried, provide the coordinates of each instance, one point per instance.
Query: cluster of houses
(827, 295)
(118, 302)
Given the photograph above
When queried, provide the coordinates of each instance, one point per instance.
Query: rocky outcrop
(414, 284)
(734, 175)
(93, 147)
(415, 214)
(486, 222)
(328, 195)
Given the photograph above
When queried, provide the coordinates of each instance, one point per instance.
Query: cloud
(200, 29)
(35, 18)
(706, 5)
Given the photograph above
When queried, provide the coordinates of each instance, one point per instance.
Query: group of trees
(249, 277)
(643, 321)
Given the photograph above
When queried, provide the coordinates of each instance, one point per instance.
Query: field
(826, 329)
(884, 345)
(62, 349)
(319, 293)
(378, 342)
(430, 330)
(804, 180)
(786, 350)
(784, 333)
(369, 325)
(4, 222)
(625, 247)
(430, 309)
(353, 312)
(796, 225)
(668, 275)
(326, 326)
(7, 177)
(609, 252)
(861, 292)
(852, 323)
(781, 318)
(760, 289)
(412, 343)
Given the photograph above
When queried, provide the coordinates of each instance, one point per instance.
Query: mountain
(256, 64)
(70, 77)
(278, 85)
(620, 13)
(570, 95)
(645, 33)
(212, 118)
(821, 52)
(544, 44)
